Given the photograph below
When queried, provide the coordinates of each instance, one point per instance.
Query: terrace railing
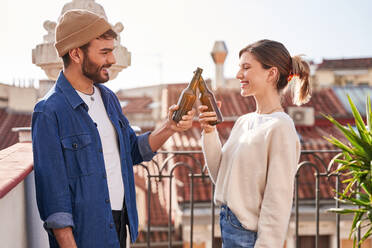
(312, 161)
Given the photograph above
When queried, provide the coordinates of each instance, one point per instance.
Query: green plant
(355, 164)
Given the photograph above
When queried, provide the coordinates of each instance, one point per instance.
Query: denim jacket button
(100, 150)
(107, 200)
(74, 145)
(111, 225)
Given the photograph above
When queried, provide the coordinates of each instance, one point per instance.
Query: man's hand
(184, 124)
(169, 127)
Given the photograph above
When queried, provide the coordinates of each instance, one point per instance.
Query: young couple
(84, 148)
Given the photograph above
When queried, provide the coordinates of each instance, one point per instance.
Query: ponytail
(299, 81)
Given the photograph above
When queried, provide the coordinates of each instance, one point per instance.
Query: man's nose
(111, 59)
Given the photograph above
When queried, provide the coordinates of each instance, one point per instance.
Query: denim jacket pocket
(78, 153)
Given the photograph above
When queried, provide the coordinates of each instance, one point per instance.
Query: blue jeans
(234, 235)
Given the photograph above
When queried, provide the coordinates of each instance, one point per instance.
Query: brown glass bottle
(207, 98)
(187, 97)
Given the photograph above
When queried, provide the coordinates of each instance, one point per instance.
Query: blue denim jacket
(70, 176)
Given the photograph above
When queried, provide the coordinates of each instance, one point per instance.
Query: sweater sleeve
(212, 150)
(283, 155)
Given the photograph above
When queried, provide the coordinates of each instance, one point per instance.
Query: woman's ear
(273, 75)
(76, 55)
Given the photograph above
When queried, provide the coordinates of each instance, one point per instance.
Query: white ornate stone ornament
(45, 55)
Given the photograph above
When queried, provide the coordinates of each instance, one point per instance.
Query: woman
(254, 171)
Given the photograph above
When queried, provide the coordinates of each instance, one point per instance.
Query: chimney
(22, 100)
(219, 54)
(24, 134)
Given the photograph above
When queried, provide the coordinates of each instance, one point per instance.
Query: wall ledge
(16, 162)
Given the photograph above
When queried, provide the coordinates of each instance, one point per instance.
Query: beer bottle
(207, 98)
(187, 97)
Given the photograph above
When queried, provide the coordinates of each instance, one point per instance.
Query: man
(84, 148)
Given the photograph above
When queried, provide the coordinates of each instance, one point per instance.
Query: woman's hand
(206, 117)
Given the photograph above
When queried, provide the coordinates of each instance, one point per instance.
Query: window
(364, 84)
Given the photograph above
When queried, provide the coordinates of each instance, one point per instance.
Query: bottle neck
(202, 85)
(193, 84)
(195, 80)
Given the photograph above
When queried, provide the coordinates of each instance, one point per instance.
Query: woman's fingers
(208, 119)
(205, 118)
(202, 108)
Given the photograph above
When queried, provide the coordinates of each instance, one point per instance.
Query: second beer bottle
(187, 97)
(207, 98)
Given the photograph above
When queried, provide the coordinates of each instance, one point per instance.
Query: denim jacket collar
(68, 91)
(73, 97)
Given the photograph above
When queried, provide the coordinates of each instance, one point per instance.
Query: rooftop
(352, 63)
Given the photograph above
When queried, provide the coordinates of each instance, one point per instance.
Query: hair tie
(291, 76)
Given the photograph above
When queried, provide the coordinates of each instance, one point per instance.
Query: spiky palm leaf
(356, 165)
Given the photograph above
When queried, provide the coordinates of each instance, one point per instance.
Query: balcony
(174, 198)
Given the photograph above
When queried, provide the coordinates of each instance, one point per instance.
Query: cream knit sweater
(254, 173)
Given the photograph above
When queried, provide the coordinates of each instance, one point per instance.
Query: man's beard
(93, 71)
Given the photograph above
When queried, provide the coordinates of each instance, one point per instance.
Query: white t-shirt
(110, 147)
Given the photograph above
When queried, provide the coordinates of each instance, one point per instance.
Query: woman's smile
(244, 84)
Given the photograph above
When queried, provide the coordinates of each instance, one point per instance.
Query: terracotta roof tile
(158, 195)
(353, 63)
(9, 121)
(136, 104)
(323, 101)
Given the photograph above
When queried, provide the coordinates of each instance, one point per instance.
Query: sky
(168, 39)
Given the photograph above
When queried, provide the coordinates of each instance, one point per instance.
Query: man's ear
(76, 55)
